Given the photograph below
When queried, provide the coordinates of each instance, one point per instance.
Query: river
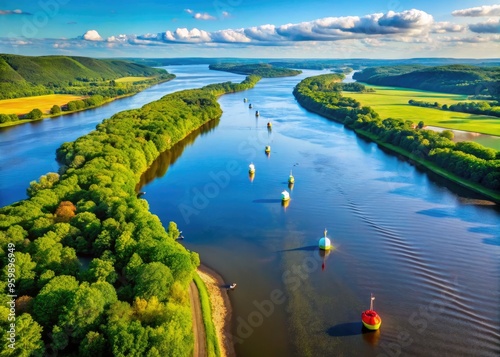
(430, 255)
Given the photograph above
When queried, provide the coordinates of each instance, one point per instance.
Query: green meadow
(392, 102)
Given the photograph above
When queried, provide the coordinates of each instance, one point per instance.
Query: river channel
(429, 254)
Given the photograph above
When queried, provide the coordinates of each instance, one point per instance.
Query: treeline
(96, 274)
(23, 76)
(482, 108)
(468, 160)
(355, 87)
(264, 70)
(460, 79)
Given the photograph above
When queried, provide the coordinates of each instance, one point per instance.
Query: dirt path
(200, 342)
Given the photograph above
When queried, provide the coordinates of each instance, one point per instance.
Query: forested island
(467, 163)
(460, 79)
(92, 82)
(260, 69)
(96, 274)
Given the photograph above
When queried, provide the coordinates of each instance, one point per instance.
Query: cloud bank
(490, 26)
(486, 10)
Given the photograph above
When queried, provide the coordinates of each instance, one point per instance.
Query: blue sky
(244, 28)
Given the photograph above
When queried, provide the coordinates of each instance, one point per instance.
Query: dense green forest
(96, 274)
(472, 162)
(484, 108)
(23, 76)
(259, 69)
(460, 79)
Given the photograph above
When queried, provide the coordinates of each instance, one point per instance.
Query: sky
(252, 29)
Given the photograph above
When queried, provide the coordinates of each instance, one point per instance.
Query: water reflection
(160, 166)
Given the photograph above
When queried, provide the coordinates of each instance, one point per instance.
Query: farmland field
(393, 102)
(42, 102)
(131, 79)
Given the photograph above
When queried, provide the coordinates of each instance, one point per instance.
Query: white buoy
(324, 242)
(251, 168)
(285, 196)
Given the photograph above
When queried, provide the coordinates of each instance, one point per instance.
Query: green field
(131, 79)
(393, 102)
(43, 102)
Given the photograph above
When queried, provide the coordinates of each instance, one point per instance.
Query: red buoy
(371, 320)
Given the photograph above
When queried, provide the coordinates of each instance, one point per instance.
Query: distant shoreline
(221, 308)
(63, 113)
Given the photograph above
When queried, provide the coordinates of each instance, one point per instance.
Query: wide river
(430, 255)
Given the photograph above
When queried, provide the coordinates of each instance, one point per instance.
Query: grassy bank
(469, 164)
(493, 195)
(392, 102)
(213, 349)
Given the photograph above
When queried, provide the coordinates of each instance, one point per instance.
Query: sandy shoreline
(221, 308)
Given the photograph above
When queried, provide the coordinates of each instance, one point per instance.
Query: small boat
(232, 286)
(257, 113)
(291, 179)
(324, 242)
(371, 320)
(269, 125)
(285, 196)
(141, 193)
(268, 149)
(251, 168)
(250, 106)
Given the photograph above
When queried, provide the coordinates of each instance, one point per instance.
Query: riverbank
(221, 308)
(62, 113)
(489, 194)
(473, 167)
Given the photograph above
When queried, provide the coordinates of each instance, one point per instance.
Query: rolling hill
(22, 76)
(459, 79)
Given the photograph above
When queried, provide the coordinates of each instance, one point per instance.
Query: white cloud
(486, 10)
(185, 35)
(234, 36)
(443, 27)
(204, 16)
(472, 39)
(410, 22)
(262, 33)
(92, 35)
(122, 38)
(490, 26)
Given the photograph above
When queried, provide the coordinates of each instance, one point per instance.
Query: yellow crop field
(131, 79)
(42, 102)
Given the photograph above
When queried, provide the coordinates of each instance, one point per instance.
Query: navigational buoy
(324, 242)
(251, 168)
(291, 179)
(285, 196)
(371, 320)
(268, 149)
(257, 113)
